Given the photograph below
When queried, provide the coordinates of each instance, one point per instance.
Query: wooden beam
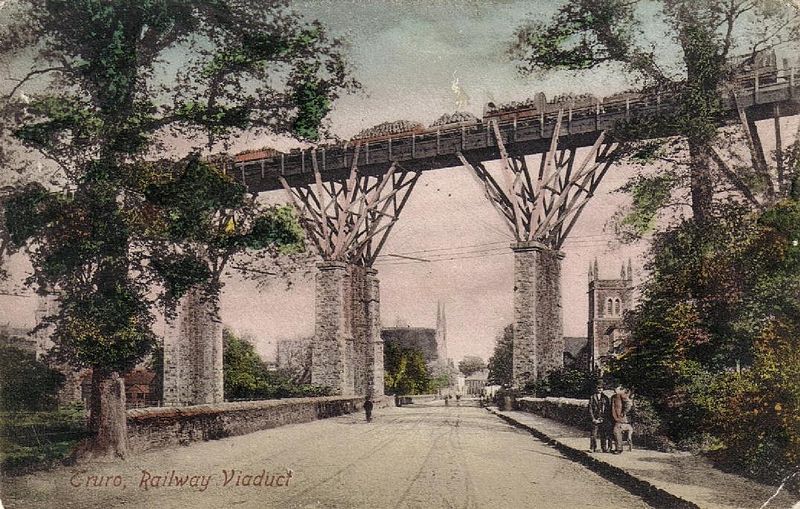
(510, 183)
(492, 192)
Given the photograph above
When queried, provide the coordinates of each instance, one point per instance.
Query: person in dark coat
(368, 409)
(598, 411)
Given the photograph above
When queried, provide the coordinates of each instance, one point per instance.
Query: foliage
(246, 376)
(691, 67)
(501, 366)
(27, 383)
(441, 376)
(34, 440)
(714, 339)
(100, 100)
(405, 371)
(471, 364)
(565, 383)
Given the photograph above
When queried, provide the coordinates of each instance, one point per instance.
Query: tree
(99, 103)
(471, 364)
(501, 365)
(244, 371)
(588, 34)
(27, 383)
(724, 365)
(405, 371)
(248, 377)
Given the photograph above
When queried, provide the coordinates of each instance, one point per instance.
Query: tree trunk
(107, 418)
(700, 182)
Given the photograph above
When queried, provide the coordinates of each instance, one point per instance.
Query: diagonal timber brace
(350, 220)
(544, 207)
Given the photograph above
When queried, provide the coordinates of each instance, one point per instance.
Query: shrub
(565, 383)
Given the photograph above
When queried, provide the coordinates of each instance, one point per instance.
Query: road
(409, 457)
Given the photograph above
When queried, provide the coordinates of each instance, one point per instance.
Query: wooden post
(514, 134)
(755, 90)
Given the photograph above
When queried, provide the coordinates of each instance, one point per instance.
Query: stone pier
(538, 320)
(347, 352)
(374, 358)
(332, 349)
(193, 353)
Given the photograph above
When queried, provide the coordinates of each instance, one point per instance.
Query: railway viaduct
(350, 195)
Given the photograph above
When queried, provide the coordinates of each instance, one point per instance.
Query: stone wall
(538, 321)
(153, 428)
(575, 412)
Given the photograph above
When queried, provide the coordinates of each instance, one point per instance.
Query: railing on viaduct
(525, 130)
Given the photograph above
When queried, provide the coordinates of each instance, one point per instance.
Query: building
(432, 342)
(576, 352)
(140, 388)
(294, 356)
(609, 299)
(18, 337)
(474, 383)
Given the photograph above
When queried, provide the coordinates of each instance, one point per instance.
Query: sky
(409, 57)
(416, 60)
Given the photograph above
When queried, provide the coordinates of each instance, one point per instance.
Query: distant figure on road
(621, 405)
(598, 409)
(458, 399)
(368, 409)
(447, 400)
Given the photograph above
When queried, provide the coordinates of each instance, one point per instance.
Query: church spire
(441, 332)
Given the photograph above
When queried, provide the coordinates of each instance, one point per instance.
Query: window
(609, 307)
(616, 307)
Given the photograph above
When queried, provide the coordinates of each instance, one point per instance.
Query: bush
(565, 383)
(35, 440)
(26, 383)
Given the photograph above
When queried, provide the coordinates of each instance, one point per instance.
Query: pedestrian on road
(598, 407)
(620, 408)
(368, 409)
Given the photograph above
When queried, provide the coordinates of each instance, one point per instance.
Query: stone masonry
(374, 358)
(538, 321)
(193, 353)
(333, 337)
(347, 352)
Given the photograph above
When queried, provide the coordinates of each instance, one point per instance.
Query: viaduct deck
(524, 132)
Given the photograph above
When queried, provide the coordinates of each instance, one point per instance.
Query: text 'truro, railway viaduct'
(350, 195)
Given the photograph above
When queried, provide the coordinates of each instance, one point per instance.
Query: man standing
(368, 409)
(620, 408)
(598, 406)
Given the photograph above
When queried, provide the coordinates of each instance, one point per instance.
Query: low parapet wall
(575, 412)
(153, 428)
(416, 398)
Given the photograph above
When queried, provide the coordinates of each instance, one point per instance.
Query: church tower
(441, 334)
(609, 299)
